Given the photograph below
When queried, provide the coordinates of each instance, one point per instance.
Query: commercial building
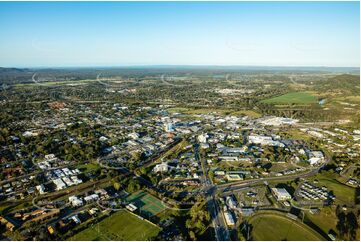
(91, 198)
(131, 207)
(264, 140)
(163, 167)
(229, 218)
(234, 177)
(59, 184)
(315, 157)
(41, 189)
(202, 138)
(281, 194)
(75, 201)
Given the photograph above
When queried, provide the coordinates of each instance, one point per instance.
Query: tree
(143, 170)
(352, 225)
(116, 186)
(192, 235)
(133, 186)
(199, 218)
(211, 175)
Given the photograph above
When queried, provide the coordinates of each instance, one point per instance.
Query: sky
(71, 34)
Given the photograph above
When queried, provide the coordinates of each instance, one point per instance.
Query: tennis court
(148, 204)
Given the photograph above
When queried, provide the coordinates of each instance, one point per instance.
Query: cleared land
(148, 204)
(272, 226)
(293, 97)
(119, 226)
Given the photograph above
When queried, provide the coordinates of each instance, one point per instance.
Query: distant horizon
(75, 34)
(179, 65)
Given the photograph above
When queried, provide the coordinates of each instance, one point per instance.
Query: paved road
(220, 227)
(235, 185)
(218, 222)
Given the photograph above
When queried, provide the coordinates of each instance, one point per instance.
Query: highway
(220, 227)
(235, 185)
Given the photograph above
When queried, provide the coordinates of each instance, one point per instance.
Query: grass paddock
(293, 97)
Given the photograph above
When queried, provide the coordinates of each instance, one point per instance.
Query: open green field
(273, 226)
(293, 97)
(344, 194)
(249, 113)
(88, 167)
(148, 204)
(7, 206)
(121, 225)
(326, 219)
(281, 166)
(296, 134)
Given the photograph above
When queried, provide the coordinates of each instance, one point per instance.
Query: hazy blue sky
(211, 33)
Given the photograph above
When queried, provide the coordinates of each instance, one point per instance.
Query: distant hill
(348, 84)
(14, 75)
(4, 70)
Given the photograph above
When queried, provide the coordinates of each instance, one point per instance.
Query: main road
(220, 227)
(236, 185)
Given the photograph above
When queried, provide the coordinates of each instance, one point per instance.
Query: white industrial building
(229, 158)
(231, 202)
(41, 189)
(315, 157)
(76, 180)
(163, 167)
(264, 140)
(68, 182)
(236, 150)
(229, 218)
(59, 184)
(91, 198)
(281, 194)
(76, 219)
(277, 121)
(131, 207)
(75, 201)
(202, 138)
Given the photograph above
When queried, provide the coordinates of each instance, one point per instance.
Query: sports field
(272, 226)
(148, 204)
(293, 97)
(121, 225)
